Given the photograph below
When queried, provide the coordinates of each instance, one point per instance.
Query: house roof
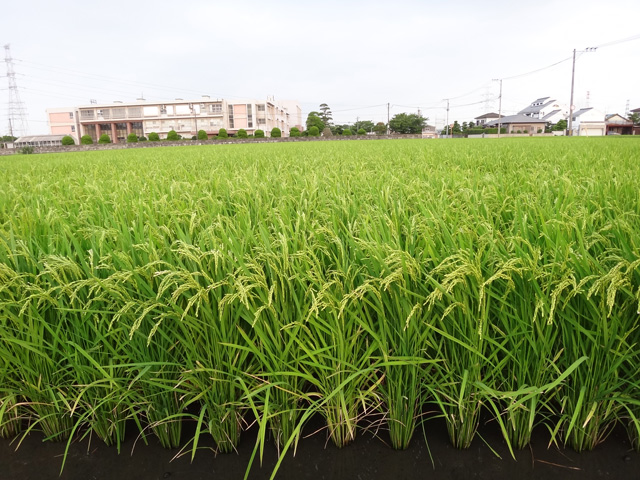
(536, 108)
(40, 138)
(617, 119)
(516, 119)
(550, 114)
(577, 113)
(635, 110)
(488, 115)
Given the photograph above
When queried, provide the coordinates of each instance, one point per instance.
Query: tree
(347, 131)
(68, 140)
(362, 131)
(294, 132)
(560, 126)
(314, 120)
(242, 133)
(86, 140)
(132, 138)
(104, 138)
(276, 132)
(407, 123)
(222, 133)
(380, 128)
(325, 114)
(635, 118)
(154, 137)
(326, 132)
(456, 127)
(202, 135)
(259, 133)
(366, 125)
(314, 131)
(172, 136)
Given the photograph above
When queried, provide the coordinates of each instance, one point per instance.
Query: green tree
(456, 128)
(154, 137)
(325, 114)
(132, 138)
(86, 140)
(68, 140)
(366, 125)
(276, 132)
(635, 118)
(347, 131)
(202, 135)
(314, 120)
(242, 133)
(380, 128)
(259, 133)
(407, 123)
(294, 132)
(560, 126)
(104, 138)
(222, 133)
(362, 131)
(172, 136)
(314, 131)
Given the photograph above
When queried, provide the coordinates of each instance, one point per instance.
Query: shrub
(539, 130)
(26, 150)
(172, 136)
(223, 133)
(132, 138)
(347, 131)
(276, 132)
(154, 137)
(326, 132)
(294, 132)
(104, 138)
(142, 139)
(362, 131)
(259, 133)
(519, 131)
(202, 135)
(314, 131)
(68, 140)
(242, 133)
(86, 140)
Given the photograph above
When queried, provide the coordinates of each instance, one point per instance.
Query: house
(618, 125)
(588, 122)
(487, 117)
(429, 131)
(547, 109)
(519, 124)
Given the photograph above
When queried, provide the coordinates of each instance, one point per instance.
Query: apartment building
(186, 117)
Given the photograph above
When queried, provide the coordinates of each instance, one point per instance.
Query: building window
(70, 114)
(216, 108)
(249, 116)
(73, 128)
(163, 110)
(260, 108)
(261, 121)
(231, 123)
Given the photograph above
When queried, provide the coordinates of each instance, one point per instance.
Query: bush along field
(265, 284)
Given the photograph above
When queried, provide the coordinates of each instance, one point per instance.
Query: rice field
(377, 284)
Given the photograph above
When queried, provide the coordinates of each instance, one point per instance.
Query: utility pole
(499, 106)
(573, 77)
(388, 106)
(447, 127)
(17, 112)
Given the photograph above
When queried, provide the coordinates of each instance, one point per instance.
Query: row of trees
(403, 123)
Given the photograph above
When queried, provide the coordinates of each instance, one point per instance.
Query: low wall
(187, 143)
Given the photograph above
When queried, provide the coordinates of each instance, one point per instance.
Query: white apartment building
(186, 117)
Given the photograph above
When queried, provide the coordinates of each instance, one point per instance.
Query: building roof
(536, 106)
(620, 120)
(516, 119)
(488, 115)
(550, 114)
(635, 110)
(577, 113)
(40, 138)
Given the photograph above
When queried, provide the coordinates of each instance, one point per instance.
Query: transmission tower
(17, 112)
(626, 109)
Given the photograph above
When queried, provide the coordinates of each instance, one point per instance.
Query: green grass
(368, 282)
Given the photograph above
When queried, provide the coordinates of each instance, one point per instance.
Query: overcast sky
(356, 56)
